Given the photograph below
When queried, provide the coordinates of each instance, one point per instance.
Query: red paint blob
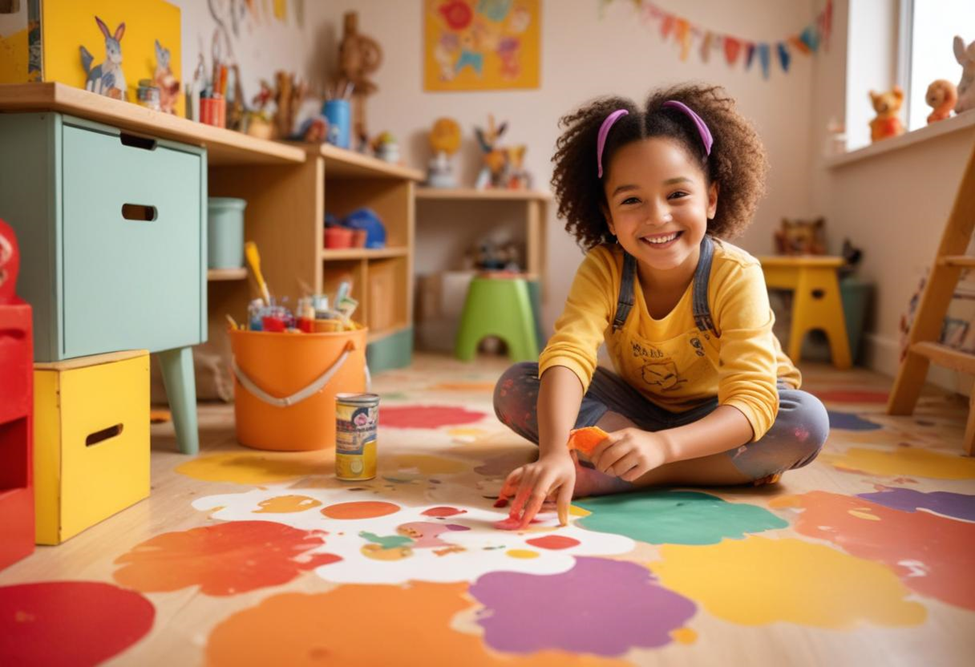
(553, 542)
(444, 511)
(363, 510)
(428, 416)
(222, 559)
(840, 396)
(69, 622)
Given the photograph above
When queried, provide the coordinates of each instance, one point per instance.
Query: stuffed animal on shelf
(966, 87)
(492, 173)
(801, 237)
(888, 106)
(165, 81)
(359, 58)
(941, 97)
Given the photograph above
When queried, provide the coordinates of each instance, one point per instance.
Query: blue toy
(366, 218)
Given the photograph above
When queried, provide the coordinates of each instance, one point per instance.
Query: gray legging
(799, 431)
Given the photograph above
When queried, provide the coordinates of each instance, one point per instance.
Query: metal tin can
(356, 419)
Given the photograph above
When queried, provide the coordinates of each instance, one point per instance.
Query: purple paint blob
(955, 505)
(850, 422)
(600, 606)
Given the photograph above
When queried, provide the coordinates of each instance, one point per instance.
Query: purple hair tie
(603, 132)
(702, 127)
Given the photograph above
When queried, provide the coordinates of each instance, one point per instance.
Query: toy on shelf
(966, 86)
(107, 77)
(888, 106)
(503, 166)
(445, 141)
(941, 97)
(386, 148)
(165, 81)
(801, 237)
(257, 121)
(494, 254)
(287, 96)
(359, 57)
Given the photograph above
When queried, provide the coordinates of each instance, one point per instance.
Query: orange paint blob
(553, 542)
(286, 505)
(930, 553)
(341, 627)
(223, 559)
(360, 510)
(585, 439)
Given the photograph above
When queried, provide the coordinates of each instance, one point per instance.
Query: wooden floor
(241, 557)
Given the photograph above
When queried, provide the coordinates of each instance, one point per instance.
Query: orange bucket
(285, 385)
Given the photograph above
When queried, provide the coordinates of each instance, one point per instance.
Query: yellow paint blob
(428, 465)
(864, 513)
(904, 461)
(257, 469)
(466, 433)
(578, 511)
(376, 552)
(684, 635)
(522, 553)
(286, 505)
(758, 581)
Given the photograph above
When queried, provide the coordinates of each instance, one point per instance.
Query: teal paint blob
(675, 517)
(388, 542)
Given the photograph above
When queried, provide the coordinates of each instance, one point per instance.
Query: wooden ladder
(923, 346)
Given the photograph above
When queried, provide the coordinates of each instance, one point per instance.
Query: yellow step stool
(816, 304)
(91, 441)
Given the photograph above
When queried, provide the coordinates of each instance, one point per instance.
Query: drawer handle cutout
(133, 141)
(139, 212)
(103, 435)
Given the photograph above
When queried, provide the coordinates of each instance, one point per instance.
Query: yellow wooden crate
(91, 441)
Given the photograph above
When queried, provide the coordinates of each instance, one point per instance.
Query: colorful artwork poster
(481, 44)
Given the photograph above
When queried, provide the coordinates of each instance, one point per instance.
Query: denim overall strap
(702, 276)
(625, 302)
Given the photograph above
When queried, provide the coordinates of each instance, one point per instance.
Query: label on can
(356, 419)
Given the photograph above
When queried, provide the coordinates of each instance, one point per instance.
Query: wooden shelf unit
(227, 274)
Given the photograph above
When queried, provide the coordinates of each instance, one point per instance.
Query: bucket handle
(301, 394)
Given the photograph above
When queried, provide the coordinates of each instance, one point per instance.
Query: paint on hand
(943, 546)
(70, 622)
(286, 505)
(955, 505)
(257, 469)
(759, 581)
(428, 416)
(676, 517)
(912, 461)
(360, 510)
(222, 559)
(624, 605)
(365, 612)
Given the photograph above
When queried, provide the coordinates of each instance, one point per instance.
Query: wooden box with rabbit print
(106, 46)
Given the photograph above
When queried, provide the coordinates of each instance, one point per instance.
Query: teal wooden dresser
(112, 230)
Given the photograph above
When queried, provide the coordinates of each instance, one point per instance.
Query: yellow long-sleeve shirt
(668, 360)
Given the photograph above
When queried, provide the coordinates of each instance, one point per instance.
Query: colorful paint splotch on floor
(955, 505)
(757, 581)
(601, 606)
(428, 416)
(423, 464)
(365, 625)
(69, 623)
(287, 504)
(931, 554)
(676, 517)
(910, 461)
(846, 396)
(222, 559)
(256, 469)
(553, 542)
(461, 547)
(850, 422)
(360, 510)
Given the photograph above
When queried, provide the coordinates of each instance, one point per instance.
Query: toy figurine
(966, 87)
(492, 173)
(386, 148)
(941, 97)
(288, 96)
(445, 141)
(165, 81)
(888, 122)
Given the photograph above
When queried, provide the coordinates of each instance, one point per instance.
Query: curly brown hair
(737, 162)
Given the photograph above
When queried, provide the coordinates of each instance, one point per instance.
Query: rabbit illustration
(966, 87)
(165, 80)
(107, 78)
(492, 172)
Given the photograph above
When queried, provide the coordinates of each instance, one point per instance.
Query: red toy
(16, 410)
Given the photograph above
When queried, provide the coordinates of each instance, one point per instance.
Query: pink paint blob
(69, 622)
(443, 511)
(428, 416)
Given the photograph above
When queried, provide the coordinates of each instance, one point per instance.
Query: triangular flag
(784, 56)
(799, 45)
(763, 57)
(749, 55)
(810, 37)
(666, 25)
(706, 46)
(684, 37)
(731, 49)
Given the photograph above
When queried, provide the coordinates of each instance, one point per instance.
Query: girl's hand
(630, 453)
(534, 483)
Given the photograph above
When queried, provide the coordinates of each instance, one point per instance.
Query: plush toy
(801, 237)
(966, 87)
(941, 97)
(492, 173)
(888, 106)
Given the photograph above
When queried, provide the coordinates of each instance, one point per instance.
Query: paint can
(356, 419)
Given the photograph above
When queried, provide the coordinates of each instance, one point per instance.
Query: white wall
(584, 56)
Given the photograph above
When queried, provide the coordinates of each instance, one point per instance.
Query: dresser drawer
(132, 248)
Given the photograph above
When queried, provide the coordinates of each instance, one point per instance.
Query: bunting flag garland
(684, 33)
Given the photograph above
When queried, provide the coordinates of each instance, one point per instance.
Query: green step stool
(499, 307)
